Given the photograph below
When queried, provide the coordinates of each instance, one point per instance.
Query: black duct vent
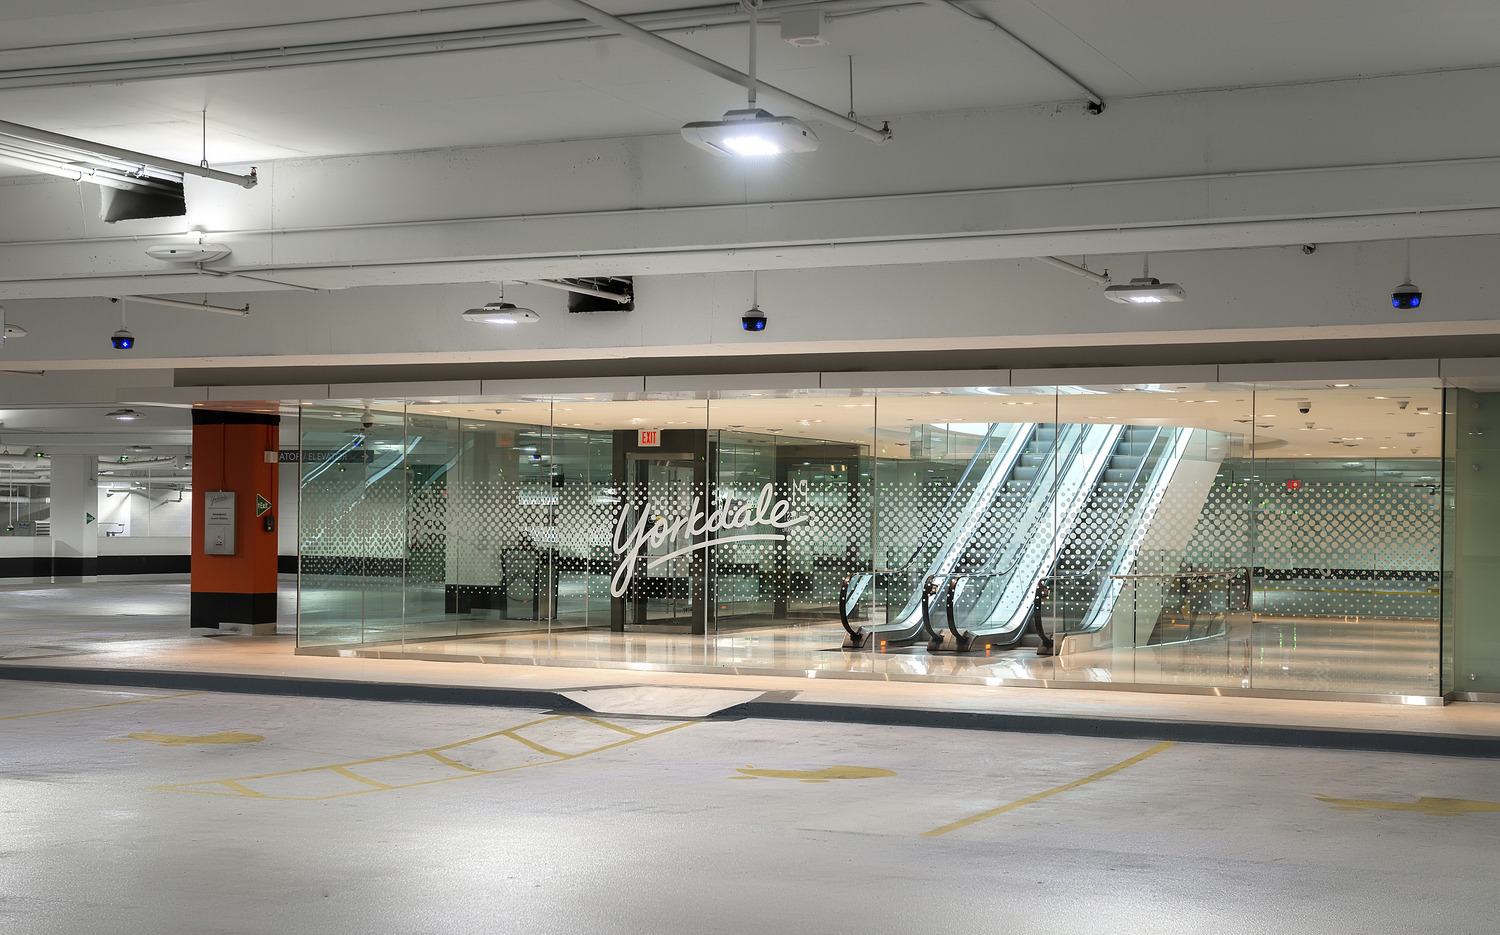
(153, 198)
(619, 285)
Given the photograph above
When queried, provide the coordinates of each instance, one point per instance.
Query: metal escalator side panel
(983, 591)
(956, 540)
(1074, 487)
(908, 623)
(1145, 512)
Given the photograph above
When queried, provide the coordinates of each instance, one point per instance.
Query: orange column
(237, 591)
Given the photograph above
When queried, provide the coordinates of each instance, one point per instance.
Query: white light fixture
(501, 312)
(1145, 290)
(201, 252)
(123, 415)
(751, 131)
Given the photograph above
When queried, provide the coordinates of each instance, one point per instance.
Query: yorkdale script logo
(656, 531)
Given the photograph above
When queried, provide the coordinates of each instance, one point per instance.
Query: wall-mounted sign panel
(218, 522)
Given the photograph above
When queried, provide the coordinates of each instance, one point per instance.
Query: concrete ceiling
(409, 158)
(140, 74)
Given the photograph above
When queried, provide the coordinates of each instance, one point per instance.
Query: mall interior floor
(147, 811)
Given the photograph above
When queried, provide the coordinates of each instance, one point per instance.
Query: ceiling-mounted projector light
(123, 415)
(1145, 291)
(751, 132)
(187, 252)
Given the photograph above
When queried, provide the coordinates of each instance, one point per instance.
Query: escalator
(1105, 496)
(965, 523)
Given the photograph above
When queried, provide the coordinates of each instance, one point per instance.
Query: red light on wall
(1294, 485)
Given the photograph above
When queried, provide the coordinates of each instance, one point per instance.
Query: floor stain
(1445, 808)
(826, 774)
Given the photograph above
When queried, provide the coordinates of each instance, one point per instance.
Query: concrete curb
(1128, 728)
(789, 710)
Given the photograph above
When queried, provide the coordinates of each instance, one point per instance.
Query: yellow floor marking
(345, 771)
(179, 740)
(613, 727)
(12, 717)
(238, 785)
(1093, 777)
(816, 775)
(1443, 808)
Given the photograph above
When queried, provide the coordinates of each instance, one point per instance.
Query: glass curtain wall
(1284, 538)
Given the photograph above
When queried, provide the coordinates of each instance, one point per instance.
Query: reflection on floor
(1347, 655)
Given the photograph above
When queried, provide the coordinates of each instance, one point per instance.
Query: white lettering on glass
(654, 531)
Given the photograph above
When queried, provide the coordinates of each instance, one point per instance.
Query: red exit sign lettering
(649, 438)
(1294, 485)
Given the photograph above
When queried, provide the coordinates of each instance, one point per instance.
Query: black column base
(209, 609)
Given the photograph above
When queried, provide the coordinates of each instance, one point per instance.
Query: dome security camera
(122, 340)
(1304, 407)
(1406, 295)
(753, 320)
(367, 419)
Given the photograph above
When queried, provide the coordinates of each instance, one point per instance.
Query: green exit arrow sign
(261, 505)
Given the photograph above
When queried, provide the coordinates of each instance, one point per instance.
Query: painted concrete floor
(135, 811)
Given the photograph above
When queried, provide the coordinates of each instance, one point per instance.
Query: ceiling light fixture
(123, 415)
(1145, 290)
(751, 131)
(501, 312)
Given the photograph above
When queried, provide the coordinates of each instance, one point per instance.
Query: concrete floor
(144, 811)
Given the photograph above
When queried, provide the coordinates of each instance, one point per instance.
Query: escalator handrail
(844, 595)
(1074, 451)
(952, 495)
(1173, 451)
(1125, 501)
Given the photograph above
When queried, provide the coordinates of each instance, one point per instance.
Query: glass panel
(1153, 538)
(1348, 539)
(503, 529)
(963, 523)
(335, 542)
(432, 449)
(791, 481)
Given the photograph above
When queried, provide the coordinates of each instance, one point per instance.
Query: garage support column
(234, 562)
(75, 531)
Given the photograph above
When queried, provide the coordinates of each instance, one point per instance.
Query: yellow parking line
(239, 785)
(12, 717)
(965, 822)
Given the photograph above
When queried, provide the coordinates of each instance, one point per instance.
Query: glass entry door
(666, 577)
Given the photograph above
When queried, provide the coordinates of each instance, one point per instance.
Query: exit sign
(1294, 485)
(648, 438)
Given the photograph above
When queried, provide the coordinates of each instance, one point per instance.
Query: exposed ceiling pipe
(621, 297)
(195, 306)
(47, 138)
(1076, 270)
(1095, 99)
(631, 31)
